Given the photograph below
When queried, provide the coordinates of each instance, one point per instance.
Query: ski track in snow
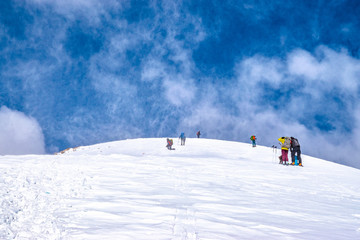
(208, 189)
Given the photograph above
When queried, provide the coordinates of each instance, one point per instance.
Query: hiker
(285, 145)
(169, 144)
(253, 138)
(295, 148)
(183, 138)
(198, 134)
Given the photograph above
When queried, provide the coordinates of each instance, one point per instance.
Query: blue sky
(89, 71)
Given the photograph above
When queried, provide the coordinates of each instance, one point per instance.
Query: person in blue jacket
(183, 138)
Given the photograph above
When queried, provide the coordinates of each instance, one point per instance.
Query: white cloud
(207, 115)
(260, 69)
(326, 69)
(153, 70)
(72, 10)
(303, 63)
(19, 134)
(179, 92)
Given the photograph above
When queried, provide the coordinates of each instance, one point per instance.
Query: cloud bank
(19, 134)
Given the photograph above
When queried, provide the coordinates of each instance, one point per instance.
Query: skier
(286, 144)
(253, 138)
(295, 148)
(183, 138)
(169, 144)
(198, 134)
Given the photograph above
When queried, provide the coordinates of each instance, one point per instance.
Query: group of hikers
(182, 137)
(286, 144)
(294, 146)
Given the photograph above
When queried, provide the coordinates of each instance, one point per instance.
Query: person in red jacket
(198, 134)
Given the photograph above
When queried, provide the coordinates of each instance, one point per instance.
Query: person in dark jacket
(198, 134)
(295, 148)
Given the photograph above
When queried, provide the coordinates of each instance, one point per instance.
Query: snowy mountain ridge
(207, 189)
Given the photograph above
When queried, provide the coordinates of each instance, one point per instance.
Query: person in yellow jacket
(285, 145)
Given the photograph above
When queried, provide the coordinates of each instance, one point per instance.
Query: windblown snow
(207, 189)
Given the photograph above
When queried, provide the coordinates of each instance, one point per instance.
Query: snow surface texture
(207, 189)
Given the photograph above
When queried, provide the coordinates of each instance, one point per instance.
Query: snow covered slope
(207, 189)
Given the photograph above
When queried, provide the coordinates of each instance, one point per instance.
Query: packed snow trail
(33, 191)
(207, 189)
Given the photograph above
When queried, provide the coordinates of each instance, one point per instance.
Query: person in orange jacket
(169, 144)
(285, 145)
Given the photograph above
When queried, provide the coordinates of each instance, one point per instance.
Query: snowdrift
(207, 189)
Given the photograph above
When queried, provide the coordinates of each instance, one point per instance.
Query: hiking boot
(292, 163)
(300, 164)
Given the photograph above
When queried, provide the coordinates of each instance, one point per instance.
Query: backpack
(252, 138)
(287, 142)
(294, 142)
